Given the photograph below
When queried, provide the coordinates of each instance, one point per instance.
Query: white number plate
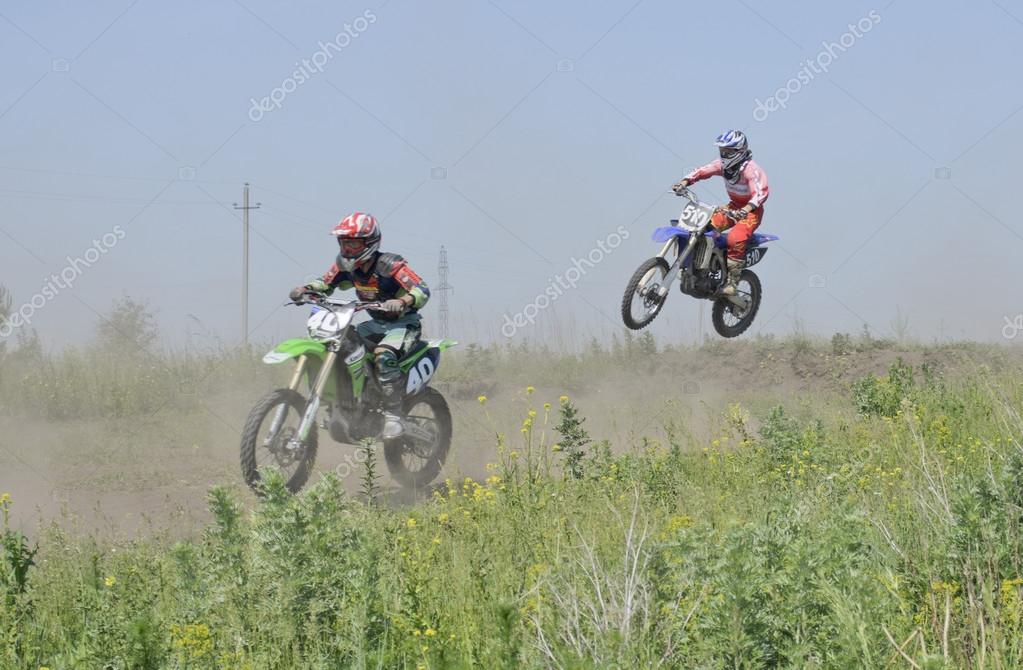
(695, 215)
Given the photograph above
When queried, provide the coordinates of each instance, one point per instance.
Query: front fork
(309, 418)
(282, 410)
(673, 244)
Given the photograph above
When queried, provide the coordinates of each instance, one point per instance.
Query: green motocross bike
(336, 365)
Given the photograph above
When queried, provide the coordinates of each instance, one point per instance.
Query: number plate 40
(420, 375)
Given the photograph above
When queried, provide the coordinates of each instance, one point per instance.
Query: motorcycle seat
(756, 240)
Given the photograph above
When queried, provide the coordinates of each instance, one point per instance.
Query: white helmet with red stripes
(358, 235)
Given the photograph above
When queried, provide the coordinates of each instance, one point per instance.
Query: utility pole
(443, 288)
(245, 207)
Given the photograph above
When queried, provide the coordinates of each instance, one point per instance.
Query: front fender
(294, 348)
(665, 233)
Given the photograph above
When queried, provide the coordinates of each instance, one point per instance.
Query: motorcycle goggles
(729, 152)
(352, 246)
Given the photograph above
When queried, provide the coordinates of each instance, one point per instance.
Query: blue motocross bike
(694, 253)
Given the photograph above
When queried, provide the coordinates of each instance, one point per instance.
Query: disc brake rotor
(651, 295)
(286, 449)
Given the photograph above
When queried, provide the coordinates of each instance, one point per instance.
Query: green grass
(876, 533)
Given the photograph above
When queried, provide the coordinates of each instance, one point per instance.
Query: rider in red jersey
(746, 184)
(387, 279)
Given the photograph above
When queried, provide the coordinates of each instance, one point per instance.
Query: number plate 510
(696, 216)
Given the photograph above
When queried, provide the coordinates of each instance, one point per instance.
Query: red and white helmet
(358, 235)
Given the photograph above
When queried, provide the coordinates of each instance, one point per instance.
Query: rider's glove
(735, 214)
(681, 186)
(393, 306)
(297, 293)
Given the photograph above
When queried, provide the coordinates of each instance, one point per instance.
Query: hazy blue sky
(516, 133)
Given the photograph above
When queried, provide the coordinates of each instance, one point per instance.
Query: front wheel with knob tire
(280, 449)
(729, 319)
(643, 297)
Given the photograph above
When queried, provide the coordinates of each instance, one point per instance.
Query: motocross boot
(394, 423)
(735, 266)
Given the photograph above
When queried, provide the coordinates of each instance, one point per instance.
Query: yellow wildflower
(563, 399)
(192, 641)
(110, 581)
(482, 399)
(442, 517)
(679, 521)
(411, 523)
(430, 632)
(529, 390)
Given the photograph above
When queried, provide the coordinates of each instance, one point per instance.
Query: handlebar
(320, 300)
(684, 192)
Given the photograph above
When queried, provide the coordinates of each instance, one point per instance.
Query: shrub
(883, 396)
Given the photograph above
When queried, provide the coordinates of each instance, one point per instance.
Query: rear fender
(440, 345)
(420, 368)
(754, 254)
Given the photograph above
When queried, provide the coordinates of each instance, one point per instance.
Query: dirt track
(153, 474)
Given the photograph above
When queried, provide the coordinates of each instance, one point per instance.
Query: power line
(112, 200)
(94, 175)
